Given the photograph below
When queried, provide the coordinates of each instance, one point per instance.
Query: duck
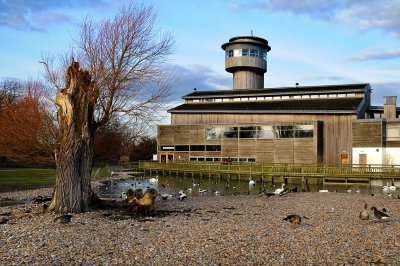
(294, 219)
(252, 182)
(379, 215)
(182, 195)
(323, 191)
(202, 190)
(279, 190)
(364, 214)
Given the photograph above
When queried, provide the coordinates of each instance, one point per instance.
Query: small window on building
(209, 159)
(237, 52)
(254, 53)
(200, 159)
(167, 148)
(192, 159)
(393, 133)
(245, 52)
(217, 159)
(252, 160)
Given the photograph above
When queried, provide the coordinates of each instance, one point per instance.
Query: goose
(153, 179)
(279, 190)
(323, 191)
(294, 219)
(252, 182)
(379, 215)
(364, 214)
(189, 190)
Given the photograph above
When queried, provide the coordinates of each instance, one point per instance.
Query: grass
(25, 178)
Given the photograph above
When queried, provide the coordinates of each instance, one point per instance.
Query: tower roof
(248, 39)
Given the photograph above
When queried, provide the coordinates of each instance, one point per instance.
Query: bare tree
(125, 74)
(9, 90)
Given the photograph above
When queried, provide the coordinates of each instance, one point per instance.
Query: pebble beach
(219, 230)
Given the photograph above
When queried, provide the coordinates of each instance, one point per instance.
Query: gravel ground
(225, 230)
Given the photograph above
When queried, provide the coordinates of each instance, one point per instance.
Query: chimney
(389, 107)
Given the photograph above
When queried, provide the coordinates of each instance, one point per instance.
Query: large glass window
(282, 132)
(197, 148)
(213, 147)
(182, 147)
(303, 131)
(230, 132)
(265, 132)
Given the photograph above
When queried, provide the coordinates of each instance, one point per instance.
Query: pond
(205, 187)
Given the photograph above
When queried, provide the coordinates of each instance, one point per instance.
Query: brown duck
(379, 215)
(364, 214)
(294, 219)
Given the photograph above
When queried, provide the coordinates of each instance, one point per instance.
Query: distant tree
(144, 149)
(108, 144)
(9, 90)
(26, 128)
(125, 75)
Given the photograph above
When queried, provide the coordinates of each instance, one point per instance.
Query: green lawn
(24, 178)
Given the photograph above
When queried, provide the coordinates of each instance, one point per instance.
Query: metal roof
(345, 88)
(328, 105)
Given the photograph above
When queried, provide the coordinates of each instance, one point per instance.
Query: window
(167, 148)
(254, 53)
(237, 52)
(245, 52)
(230, 132)
(181, 147)
(197, 147)
(303, 131)
(229, 53)
(393, 133)
(213, 147)
(283, 132)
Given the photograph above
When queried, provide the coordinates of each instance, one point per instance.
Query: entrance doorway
(167, 157)
(344, 158)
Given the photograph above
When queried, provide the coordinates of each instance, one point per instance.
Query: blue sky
(313, 42)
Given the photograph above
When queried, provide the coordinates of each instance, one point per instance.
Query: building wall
(288, 150)
(336, 136)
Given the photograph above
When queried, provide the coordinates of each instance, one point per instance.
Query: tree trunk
(74, 153)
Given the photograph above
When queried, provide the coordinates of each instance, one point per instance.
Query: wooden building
(292, 125)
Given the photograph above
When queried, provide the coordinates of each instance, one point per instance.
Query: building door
(170, 157)
(362, 158)
(163, 158)
(344, 158)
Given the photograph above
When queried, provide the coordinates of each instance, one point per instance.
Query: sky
(314, 42)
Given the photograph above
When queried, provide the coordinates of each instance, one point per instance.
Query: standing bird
(364, 214)
(294, 219)
(379, 215)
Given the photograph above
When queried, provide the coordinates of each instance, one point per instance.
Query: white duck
(279, 190)
(252, 182)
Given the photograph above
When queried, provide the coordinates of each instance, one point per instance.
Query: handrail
(379, 171)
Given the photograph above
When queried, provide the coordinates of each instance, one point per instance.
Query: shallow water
(219, 186)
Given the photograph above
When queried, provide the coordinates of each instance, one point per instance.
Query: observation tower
(246, 59)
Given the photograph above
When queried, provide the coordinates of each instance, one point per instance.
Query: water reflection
(205, 187)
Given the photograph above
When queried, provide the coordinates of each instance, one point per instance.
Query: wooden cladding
(285, 150)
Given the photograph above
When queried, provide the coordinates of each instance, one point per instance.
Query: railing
(371, 171)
